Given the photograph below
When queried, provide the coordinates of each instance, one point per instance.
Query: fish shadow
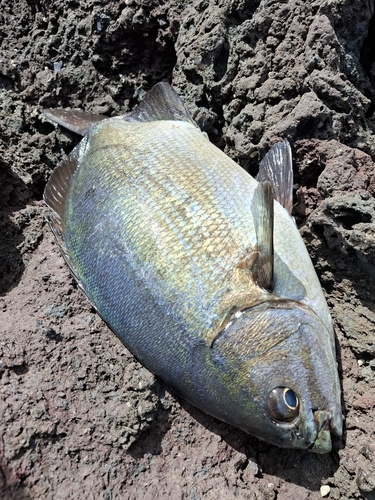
(12, 492)
(12, 486)
(300, 467)
(150, 440)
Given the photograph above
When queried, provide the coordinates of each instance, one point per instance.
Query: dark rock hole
(349, 217)
(221, 63)
(20, 369)
(44, 128)
(367, 59)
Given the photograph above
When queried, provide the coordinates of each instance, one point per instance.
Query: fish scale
(196, 268)
(189, 233)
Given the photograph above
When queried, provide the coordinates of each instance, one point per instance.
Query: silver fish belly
(199, 269)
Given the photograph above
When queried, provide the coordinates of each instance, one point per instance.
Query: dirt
(79, 417)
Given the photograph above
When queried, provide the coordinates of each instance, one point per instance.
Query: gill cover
(272, 362)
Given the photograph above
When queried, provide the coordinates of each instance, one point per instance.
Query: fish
(199, 268)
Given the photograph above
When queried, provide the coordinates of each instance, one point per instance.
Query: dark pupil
(290, 398)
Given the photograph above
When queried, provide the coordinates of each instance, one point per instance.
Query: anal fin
(58, 185)
(55, 195)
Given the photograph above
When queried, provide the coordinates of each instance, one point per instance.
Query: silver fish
(202, 275)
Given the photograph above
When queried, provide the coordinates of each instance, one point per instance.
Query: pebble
(324, 490)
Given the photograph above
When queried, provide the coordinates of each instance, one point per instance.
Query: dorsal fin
(262, 209)
(277, 168)
(75, 120)
(160, 103)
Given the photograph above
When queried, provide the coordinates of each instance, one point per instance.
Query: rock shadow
(13, 196)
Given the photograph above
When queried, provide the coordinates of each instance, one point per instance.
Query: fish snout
(325, 424)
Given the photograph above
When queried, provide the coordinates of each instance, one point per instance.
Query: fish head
(277, 364)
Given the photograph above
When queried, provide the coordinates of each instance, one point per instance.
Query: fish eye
(283, 404)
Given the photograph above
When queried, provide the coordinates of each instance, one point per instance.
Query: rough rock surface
(79, 417)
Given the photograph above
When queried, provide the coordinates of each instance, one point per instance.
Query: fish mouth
(325, 425)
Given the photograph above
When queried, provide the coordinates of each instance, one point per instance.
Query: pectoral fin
(277, 168)
(262, 208)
